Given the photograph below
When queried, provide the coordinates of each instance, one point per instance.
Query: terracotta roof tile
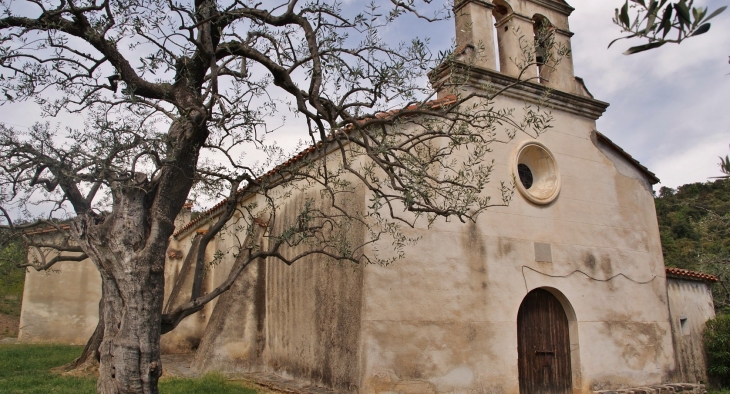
(691, 275)
(46, 230)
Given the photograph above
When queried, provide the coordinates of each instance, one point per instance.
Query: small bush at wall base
(717, 346)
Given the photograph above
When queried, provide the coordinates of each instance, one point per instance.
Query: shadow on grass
(26, 369)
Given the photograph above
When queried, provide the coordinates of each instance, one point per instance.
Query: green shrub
(717, 346)
(11, 278)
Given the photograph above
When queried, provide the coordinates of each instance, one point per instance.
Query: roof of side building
(680, 273)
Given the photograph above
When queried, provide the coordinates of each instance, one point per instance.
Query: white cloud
(668, 105)
(691, 165)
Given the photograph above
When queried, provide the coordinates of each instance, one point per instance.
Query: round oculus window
(536, 172)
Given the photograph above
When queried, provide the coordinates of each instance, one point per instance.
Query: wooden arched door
(543, 345)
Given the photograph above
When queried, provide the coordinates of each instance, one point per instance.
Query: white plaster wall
(444, 318)
(61, 306)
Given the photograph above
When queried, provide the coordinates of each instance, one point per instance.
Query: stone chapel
(562, 291)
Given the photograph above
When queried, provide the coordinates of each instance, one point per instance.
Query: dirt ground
(178, 365)
(8, 325)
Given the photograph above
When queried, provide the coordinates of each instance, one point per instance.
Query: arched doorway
(543, 345)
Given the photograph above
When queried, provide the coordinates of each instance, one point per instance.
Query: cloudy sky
(669, 106)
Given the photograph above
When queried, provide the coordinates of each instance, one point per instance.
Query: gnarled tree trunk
(128, 247)
(132, 275)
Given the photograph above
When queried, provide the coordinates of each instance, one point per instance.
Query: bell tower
(533, 39)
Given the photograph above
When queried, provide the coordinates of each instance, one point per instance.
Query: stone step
(284, 385)
(660, 389)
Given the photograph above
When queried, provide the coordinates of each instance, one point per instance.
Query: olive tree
(175, 93)
(659, 22)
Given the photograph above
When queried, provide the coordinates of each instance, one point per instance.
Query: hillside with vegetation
(11, 288)
(694, 222)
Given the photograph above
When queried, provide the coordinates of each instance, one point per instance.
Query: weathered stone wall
(179, 276)
(233, 341)
(62, 305)
(690, 306)
(234, 337)
(300, 321)
(313, 311)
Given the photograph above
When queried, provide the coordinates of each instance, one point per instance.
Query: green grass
(208, 384)
(26, 369)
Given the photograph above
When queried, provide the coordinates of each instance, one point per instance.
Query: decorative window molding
(536, 171)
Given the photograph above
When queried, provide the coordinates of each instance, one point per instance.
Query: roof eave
(643, 169)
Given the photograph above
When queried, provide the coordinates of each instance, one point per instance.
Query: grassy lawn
(26, 369)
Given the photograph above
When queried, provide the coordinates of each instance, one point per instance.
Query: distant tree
(725, 166)
(660, 21)
(174, 93)
(666, 191)
(12, 254)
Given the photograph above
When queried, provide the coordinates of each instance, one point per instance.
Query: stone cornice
(461, 4)
(555, 5)
(565, 32)
(528, 91)
(511, 16)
